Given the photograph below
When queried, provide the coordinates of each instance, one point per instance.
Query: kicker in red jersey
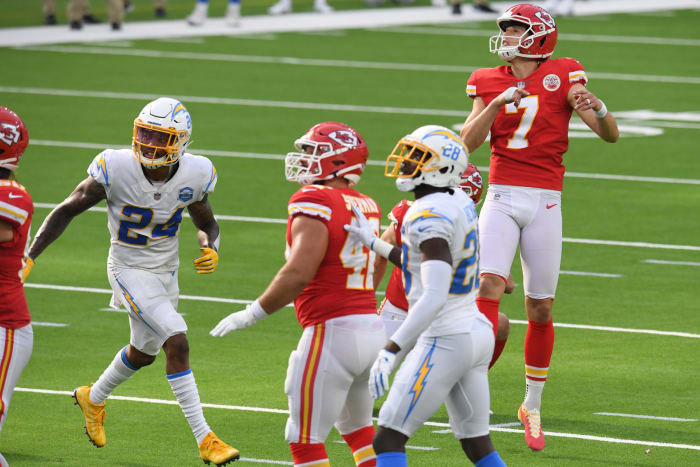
(528, 141)
(16, 209)
(343, 284)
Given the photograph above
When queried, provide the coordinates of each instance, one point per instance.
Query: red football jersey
(343, 284)
(528, 141)
(16, 209)
(395, 292)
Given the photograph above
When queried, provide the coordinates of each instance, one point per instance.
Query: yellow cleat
(94, 416)
(214, 450)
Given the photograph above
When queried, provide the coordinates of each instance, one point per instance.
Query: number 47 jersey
(452, 217)
(144, 217)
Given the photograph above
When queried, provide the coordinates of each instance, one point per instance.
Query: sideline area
(295, 22)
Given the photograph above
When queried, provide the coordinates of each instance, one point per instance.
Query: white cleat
(280, 8)
(233, 14)
(199, 15)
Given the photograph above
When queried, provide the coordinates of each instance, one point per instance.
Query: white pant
(152, 303)
(16, 347)
(452, 369)
(531, 217)
(392, 316)
(327, 377)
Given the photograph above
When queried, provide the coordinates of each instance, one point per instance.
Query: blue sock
(492, 460)
(234, 1)
(391, 459)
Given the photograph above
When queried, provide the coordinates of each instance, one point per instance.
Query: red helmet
(328, 150)
(472, 183)
(540, 36)
(14, 138)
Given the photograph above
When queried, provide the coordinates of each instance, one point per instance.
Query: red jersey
(528, 141)
(343, 284)
(16, 209)
(395, 292)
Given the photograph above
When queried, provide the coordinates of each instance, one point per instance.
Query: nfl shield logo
(156, 196)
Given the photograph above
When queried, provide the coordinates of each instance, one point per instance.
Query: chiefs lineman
(526, 105)
(16, 209)
(328, 275)
(394, 307)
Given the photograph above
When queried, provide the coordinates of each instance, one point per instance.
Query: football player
(526, 105)
(16, 209)
(328, 275)
(394, 307)
(147, 190)
(453, 341)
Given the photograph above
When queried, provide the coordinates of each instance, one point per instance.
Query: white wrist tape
(509, 94)
(602, 112)
(381, 247)
(257, 311)
(216, 243)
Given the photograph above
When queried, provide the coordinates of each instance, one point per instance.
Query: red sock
(360, 443)
(310, 455)
(539, 343)
(489, 308)
(497, 350)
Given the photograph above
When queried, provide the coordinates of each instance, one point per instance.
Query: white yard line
(280, 157)
(593, 274)
(182, 55)
(443, 425)
(676, 263)
(49, 325)
(629, 415)
(67, 288)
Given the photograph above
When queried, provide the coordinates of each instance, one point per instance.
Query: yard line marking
(329, 63)
(264, 461)
(50, 325)
(418, 448)
(183, 40)
(67, 288)
(257, 155)
(614, 329)
(268, 220)
(565, 37)
(437, 424)
(262, 37)
(594, 274)
(629, 415)
(663, 261)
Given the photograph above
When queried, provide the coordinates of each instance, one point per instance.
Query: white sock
(185, 390)
(533, 394)
(115, 374)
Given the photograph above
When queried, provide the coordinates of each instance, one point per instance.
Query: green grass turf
(592, 371)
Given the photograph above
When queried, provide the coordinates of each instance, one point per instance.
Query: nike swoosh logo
(12, 195)
(550, 206)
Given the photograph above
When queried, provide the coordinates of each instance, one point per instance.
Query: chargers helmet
(161, 132)
(14, 139)
(472, 183)
(539, 38)
(431, 155)
(328, 150)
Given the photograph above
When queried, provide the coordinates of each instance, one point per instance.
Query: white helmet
(431, 155)
(161, 132)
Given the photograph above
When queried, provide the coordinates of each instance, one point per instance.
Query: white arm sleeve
(435, 277)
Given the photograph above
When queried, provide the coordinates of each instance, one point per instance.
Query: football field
(623, 387)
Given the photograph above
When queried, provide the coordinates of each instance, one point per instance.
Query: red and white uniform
(16, 337)
(523, 203)
(328, 372)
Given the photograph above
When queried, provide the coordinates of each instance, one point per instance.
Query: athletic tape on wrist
(381, 247)
(602, 112)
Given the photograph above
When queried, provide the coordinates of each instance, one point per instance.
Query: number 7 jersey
(143, 217)
(528, 141)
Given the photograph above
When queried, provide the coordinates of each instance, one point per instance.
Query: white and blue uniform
(449, 362)
(144, 223)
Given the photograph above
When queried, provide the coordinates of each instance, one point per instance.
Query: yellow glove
(206, 264)
(28, 265)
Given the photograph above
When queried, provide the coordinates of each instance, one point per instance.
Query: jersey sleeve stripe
(310, 209)
(471, 90)
(13, 213)
(213, 177)
(578, 75)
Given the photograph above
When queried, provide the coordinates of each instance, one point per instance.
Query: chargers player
(453, 340)
(394, 307)
(527, 105)
(147, 189)
(16, 209)
(329, 277)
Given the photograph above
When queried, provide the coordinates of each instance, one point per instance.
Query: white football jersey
(143, 216)
(453, 218)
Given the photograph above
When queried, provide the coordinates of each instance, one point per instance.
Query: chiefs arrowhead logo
(9, 134)
(344, 138)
